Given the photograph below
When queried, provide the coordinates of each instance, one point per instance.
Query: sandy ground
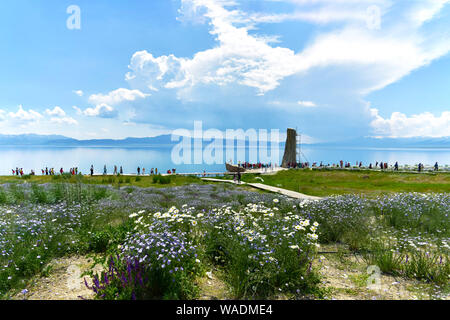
(212, 288)
(64, 281)
(345, 277)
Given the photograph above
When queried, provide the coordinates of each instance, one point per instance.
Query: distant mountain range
(165, 140)
(369, 142)
(62, 141)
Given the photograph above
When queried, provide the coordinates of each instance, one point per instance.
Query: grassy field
(337, 182)
(117, 181)
(311, 182)
(161, 243)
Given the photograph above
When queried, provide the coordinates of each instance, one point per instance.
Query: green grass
(137, 181)
(336, 182)
(379, 229)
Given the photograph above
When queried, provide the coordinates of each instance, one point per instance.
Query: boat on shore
(234, 168)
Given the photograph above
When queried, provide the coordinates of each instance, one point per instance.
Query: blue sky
(333, 69)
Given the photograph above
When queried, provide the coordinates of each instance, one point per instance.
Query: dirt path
(63, 282)
(344, 277)
(213, 288)
(347, 278)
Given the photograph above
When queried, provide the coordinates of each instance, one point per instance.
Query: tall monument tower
(290, 149)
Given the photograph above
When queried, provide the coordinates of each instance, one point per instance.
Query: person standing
(436, 167)
(115, 170)
(396, 166)
(121, 170)
(92, 170)
(139, 171)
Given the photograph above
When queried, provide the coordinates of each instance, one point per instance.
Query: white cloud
(400, 125)
(426, 10)
(79, 93)
(164, 71)
(325, 12)
(57, 111)
(240, 58)
(78, 110)
(307, 104)
(64, 120)
(117, 96)
(102, 111)
(25, 116)
(381, 57)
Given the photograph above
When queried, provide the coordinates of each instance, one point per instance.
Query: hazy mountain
(30, 139)
(165, 140)
(60, 141)
(369, 142)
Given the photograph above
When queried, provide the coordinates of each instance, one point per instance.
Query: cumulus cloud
(346, 57)
(24, 115)
(56, 111)
(400, 125)
(117, 96)
(79, 93)
(244, 58)
(102, 110)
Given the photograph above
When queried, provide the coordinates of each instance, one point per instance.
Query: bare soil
(344, 277)
(63, 282)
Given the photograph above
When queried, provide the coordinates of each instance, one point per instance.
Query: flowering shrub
(31, 235)
(162, 240)
(416, 211)
(345, 219)
(124, 280)
(264, 250)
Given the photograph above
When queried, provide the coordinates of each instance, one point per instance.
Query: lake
(160, 157)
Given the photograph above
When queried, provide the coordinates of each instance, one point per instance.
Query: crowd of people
(341, 164)
(246, 165)
(259, 165)
(140, 171)
(74, 171)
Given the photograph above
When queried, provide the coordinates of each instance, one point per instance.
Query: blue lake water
(160, 157)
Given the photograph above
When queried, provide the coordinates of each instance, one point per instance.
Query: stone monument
(290, 149)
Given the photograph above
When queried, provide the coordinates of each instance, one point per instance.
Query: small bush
(161, 179)
(3, 196)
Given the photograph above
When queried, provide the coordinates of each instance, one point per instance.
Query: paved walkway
(288, 193)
